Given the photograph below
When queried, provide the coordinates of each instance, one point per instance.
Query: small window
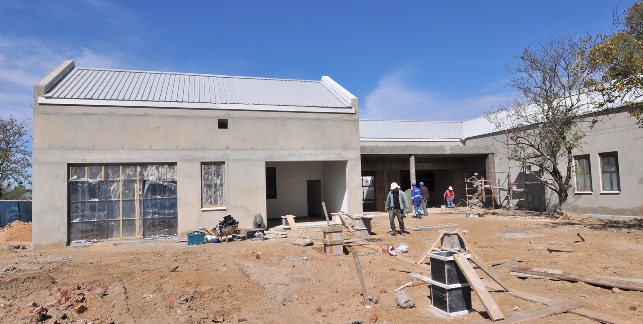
(609, 172)
(223, 124)
(271, 183)
(212, 183)
(583, 173)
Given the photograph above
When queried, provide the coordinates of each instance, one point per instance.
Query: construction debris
(602, 281)
(403, 300)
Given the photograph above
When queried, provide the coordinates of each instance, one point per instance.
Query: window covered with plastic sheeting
(112, 202)
(159, 208)
(212, 183)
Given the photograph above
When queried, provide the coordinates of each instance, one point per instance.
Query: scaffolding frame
(502, 192)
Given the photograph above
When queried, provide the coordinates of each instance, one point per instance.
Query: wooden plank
(436, 242)
(478, 287)
(590, 279)
(537, 313)
(291, 222)
(326, 213)
(405, 259)
(419, 276)
(599, 317)
(488, 272)
(360, 276)
(469, 250)
(346, 222)
(333, 242)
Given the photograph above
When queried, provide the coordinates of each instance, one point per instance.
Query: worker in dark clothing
(425, 198)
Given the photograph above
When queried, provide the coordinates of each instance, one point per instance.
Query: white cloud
(395, 98)
(23, 62)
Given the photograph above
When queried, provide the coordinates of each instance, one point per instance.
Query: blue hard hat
(421, 183)
(413, 183)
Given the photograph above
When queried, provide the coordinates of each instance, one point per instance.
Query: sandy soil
(274, 281)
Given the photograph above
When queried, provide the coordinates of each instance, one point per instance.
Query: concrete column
(188, 182)
(412, 168)
(354, 187)
(49, 211)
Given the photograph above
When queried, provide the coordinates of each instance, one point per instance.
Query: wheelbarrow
(222, 233)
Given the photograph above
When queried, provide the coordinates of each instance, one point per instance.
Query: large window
(583, 173)
(212, 182)
(122, 201)
(609, 171)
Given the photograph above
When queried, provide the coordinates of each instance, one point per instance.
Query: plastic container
(196, 238)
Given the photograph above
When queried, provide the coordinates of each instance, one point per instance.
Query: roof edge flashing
(191, 105)
(53, 77)
(336, 87)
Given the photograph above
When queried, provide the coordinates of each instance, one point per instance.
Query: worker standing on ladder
(416, 197)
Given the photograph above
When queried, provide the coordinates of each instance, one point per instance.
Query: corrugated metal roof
(119, 85)
(409, 130)
(477, 126)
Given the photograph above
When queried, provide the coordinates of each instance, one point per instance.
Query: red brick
(80, 308)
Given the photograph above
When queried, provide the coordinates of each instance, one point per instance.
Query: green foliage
(14, 193)
(620, 57)
(546, 123)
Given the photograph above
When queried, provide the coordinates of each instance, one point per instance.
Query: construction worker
(416, 197)
(425, 198)
(396, 205)
(449, 195)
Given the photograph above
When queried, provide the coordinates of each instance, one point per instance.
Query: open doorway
(314, 198)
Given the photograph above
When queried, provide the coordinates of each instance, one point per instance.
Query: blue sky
(416, 60)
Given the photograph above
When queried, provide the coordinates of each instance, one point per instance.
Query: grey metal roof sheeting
(117, 85)
(409, 130)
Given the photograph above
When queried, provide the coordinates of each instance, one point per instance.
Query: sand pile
(16, 231)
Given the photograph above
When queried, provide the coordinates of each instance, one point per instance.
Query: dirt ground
(274, 281)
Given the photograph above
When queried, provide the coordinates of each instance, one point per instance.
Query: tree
(15, 154)
(544, 124)
(14, 193)
(620, 57)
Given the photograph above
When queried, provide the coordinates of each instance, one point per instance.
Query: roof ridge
(196, 74)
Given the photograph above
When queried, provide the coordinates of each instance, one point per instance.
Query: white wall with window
(583, 173)
(610, 178)
(212, 185)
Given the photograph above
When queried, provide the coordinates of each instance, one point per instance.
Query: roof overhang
(190, 105)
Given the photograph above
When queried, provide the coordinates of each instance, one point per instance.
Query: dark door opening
(314, 195)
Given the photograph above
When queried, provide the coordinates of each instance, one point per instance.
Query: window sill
(610, 192)
(213, 208)
(583, 192)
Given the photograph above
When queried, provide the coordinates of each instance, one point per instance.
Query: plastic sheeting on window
(121, 201)
(212, 182)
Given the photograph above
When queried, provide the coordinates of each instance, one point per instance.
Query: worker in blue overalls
(416, 197)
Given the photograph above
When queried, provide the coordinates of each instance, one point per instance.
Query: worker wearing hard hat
(396, 205)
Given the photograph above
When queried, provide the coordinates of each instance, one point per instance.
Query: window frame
(617, 172)
(587, 175)
(222, 206)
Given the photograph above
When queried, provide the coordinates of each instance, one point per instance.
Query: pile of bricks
(73, 299)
